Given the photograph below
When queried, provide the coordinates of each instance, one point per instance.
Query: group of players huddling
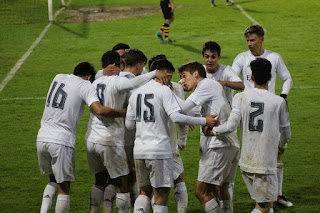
(132, 143)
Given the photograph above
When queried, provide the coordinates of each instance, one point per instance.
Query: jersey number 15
(148, 115)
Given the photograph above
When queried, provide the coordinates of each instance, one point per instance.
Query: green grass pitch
(292, 31)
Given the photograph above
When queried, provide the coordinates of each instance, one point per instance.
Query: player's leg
(225, 202)
(161, 196)
(204, 193)
(181, 194)
(97, 190)
(108, 197)
(281, 200)
(49, 194)
(229, 3)
(63, 199)
(213, 4)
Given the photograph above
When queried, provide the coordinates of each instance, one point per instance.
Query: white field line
(27, 54)
(247, 15)
(43, 98)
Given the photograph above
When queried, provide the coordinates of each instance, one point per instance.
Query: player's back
(64, 106)
(260, 114)
(151, 104)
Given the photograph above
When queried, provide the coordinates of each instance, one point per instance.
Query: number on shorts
(59, 98)
(148, 115)
(253, 115)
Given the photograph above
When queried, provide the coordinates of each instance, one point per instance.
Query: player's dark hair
(110, 57)
(133, 56)
(85, 69)
(212, 47)
(193, 66)
(261, 70)
(162, 64)
(254, 29)
(120, 46)
(155, 58)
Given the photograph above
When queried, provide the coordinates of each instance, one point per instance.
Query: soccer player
(265, 122)
(180, 188)
(150, 107)
(135, 61)
(221, 73)
(105, 137)
(228, 3)
(254, 35)
(219, 155)
(64, 106)
(167, 8)
(119, 48)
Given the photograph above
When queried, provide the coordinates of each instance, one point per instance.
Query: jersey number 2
(59, 98)
(253, 115)
(148, 116)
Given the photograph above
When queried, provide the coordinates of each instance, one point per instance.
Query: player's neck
(133, 70)
(258, 53)
(264, 86)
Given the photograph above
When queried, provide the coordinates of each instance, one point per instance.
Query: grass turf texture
(292, 32)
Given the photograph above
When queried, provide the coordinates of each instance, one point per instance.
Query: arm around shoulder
(106, 111)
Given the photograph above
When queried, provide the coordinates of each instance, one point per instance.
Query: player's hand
(123, 112)
(280, 151)
(223, 83)
(207, 131)
(211, 121)
(164, 77)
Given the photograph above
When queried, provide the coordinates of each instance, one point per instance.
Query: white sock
(271, 210)
(280, 177)
(63, 203)
(256, 211)
(160, 209)
(226, 206)
(134, 192)
(108, 197)
(96, 197)
(141, 204)
(181, 196)
(123, 202)
(49, 194)
(153, 201)
(231, 186)
(211, 206)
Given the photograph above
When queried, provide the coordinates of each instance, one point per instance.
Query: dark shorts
(166, 9)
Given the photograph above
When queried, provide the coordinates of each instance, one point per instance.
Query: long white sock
(181, 196)
(226, 206)
(160, 209)
(134, 192)
(211, 206)
(271, 210)
(49, 194)
(96, 197)
(108, 197)
(280, 176)
(123, 202)
(63, 203)
(256, 211)
(142, 204)
(153, 201)
(231, 187)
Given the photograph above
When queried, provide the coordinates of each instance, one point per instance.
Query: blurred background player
(64, 107)
(264, 122)
(254, 35)
(167, 8)
(228, 3)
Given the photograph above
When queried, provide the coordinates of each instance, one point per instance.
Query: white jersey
(64, 107)
(112, 91)
(209, 94)
(99, 74)
(263, 114)
(241, 65)
(129, 134)
(150, 106)
(225, 73)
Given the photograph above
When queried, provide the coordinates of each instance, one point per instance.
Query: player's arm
(172, 6)
(285, 132)
(130, 121)
(284, 75)
(237, 65)
(233, 85)
(142, 79)
(106, 111)
(179, 118)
